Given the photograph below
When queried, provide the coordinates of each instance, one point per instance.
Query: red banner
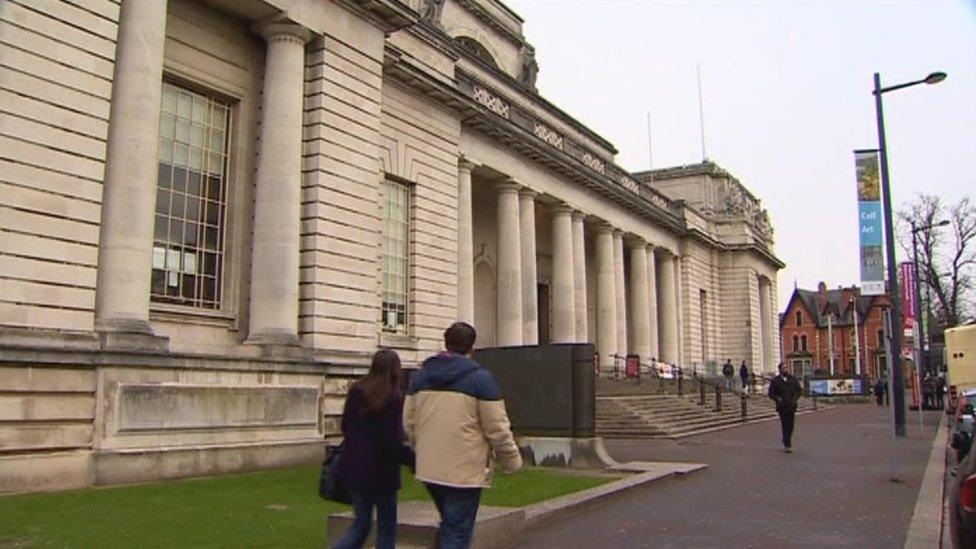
(908, 294)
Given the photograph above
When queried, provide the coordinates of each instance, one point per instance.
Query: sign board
(870, 219)
(836, 387)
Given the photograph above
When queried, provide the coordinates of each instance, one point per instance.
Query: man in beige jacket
(455, 419)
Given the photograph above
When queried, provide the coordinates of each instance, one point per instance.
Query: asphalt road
(835, 490)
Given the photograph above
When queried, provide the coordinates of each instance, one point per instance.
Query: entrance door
(542, 290)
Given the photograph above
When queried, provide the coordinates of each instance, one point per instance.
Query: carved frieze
(593, 162)
(490, 101)
(548, 135)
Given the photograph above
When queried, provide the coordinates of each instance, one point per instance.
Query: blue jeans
(458, 508)
(386, 520)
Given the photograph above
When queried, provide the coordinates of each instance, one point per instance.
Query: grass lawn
(268, 509)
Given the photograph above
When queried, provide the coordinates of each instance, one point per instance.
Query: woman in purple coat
(373, 450)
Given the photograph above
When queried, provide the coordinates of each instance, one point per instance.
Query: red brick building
(812, 316)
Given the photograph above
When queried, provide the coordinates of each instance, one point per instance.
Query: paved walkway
(834, 490)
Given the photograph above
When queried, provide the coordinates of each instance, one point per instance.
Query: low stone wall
(70, 419)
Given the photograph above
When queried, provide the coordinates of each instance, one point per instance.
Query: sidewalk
(835, 490)
(929, 526)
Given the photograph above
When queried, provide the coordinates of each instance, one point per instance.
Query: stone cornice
(390, 14)
(486, 17)
(710, 241)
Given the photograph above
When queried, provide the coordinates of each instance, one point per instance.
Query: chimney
(821, 296)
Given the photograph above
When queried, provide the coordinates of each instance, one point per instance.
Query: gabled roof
(834, 304)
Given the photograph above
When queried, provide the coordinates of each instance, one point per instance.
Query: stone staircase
(671, 416)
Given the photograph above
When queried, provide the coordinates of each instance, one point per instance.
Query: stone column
(621, 293)
(129, 194)
(277, 201)
(465, 244)
(652, 342)
(606, 300)
(530, 298)
(639, 311)
(579, 277)
(765, 331)
(667, 311)
(679, 312)
(563, 289)
(508, 330)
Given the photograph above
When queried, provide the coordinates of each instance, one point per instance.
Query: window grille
(396, 241)
(191, 198)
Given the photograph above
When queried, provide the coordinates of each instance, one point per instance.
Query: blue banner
(869, 220)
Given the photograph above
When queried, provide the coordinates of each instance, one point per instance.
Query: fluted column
(579, 278)
(620, 292)
(563, 290)
(765, 328)
(530, 298)
(639, 311)
(129, 193)
(465, 245)
(509, 294)
(653, 348)
(277, 200)
(667, 311)
(606, 298)
(679, 311)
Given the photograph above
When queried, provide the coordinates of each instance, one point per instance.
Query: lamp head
(942, 223)
(935, 78)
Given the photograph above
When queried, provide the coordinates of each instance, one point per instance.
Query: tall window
(396, 233)
(796, 343)
(799, 318)
(881, 341)
(191, 197)
(803, 342)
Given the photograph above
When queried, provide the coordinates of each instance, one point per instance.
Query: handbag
(330, 486)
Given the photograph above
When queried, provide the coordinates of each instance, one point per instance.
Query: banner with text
(908, 293)
(870, 222)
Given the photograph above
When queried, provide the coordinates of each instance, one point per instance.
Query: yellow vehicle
(960, 353)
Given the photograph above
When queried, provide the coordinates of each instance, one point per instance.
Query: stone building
(816, 319)
(214, 212)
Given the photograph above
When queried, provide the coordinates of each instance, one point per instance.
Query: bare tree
(946, 256)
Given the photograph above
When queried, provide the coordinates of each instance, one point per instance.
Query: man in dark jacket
(728, 370)
(744, 375)
(786, 391)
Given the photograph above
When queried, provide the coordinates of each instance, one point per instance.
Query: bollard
(743, 407)
(680, 389)
(701, 390)
(718, 398)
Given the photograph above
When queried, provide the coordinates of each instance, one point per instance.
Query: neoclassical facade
(214, 212)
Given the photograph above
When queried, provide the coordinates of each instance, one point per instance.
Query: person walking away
(879, 390)
(785, 390)
(455, 418)
(373, 450)
(940, 388)
(728, 371)
(744, 376)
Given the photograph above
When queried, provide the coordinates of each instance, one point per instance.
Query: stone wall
(55, 86)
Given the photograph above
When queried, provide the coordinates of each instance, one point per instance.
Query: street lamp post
(918, 297)
(897, 321)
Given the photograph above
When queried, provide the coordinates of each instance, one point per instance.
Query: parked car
(962, 503)
(963, 424)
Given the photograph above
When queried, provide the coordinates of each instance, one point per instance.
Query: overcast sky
(787, 98)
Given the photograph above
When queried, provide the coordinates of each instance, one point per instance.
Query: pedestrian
(879, 391)
(786, 391)
(455, 418)
(928, 392)
(373, 450)
(940, 388)
(744, 375)
(728, 371)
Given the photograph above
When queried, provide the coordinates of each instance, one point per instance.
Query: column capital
(465, 165)
(635, 242)
(279, 29)
(650, 247)
(617, 233)
(507, 186)
(525, 192)
(604, 227)
(561, 208)
(579, 215)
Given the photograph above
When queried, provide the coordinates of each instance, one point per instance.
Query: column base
(571, 452)
(280, 346)
(129, 335)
